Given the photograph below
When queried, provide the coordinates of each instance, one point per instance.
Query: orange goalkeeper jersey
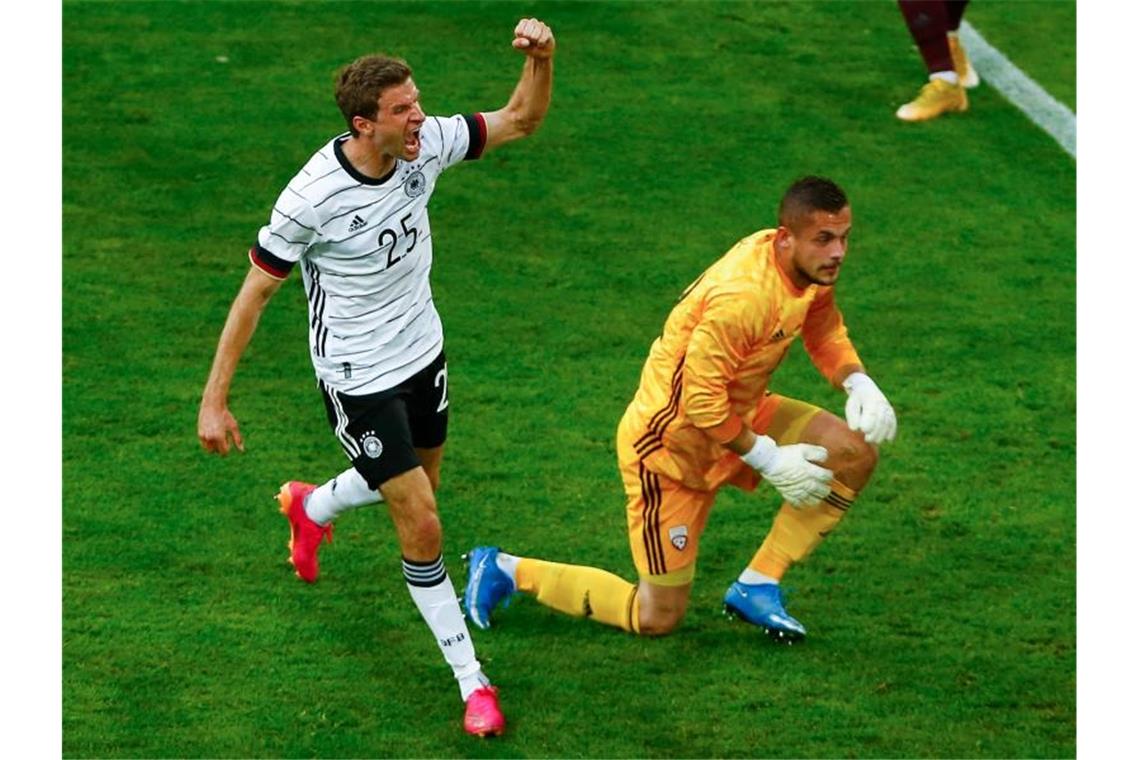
(709, 369)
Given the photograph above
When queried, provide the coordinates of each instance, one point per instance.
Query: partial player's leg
(431, 459)
(928, 22)
(412, 506)
(410, 494)
(796, 532)
(661, 608)
(384, 434)
(576, 590)
(312, 509)
(665, 522)
(967, 76)
(929, 25)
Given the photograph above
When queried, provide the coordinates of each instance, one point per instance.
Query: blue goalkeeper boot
(487, 585)
(762, 604)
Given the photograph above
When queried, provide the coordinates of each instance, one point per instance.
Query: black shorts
(380, 432)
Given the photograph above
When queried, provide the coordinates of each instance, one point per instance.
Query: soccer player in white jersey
(355, 218)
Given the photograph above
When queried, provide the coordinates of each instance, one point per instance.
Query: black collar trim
(355, 173)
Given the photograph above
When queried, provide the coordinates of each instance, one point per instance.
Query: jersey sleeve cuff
(832, 364)
(725, 431)
(477, 135)
(273, 266)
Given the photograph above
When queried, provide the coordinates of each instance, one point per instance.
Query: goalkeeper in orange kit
(703, 417)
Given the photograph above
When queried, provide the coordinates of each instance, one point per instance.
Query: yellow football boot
(934, 99)
(967, 75)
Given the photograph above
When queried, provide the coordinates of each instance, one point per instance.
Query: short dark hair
(359, 84)
(809, 194)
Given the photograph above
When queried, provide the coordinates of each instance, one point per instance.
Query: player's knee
(865, 456)
(417, 523)
(660, 610)
(852, 458)
(426, 529)
(862, 454)
(659, 622)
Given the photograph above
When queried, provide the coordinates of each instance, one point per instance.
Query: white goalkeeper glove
(790, 470)
(868, 409)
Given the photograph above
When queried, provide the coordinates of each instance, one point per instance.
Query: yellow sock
(796, 532)
(580, 591)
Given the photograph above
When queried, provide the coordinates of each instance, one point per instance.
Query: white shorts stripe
(341, 423)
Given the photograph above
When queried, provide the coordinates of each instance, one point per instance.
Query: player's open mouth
(412, 142)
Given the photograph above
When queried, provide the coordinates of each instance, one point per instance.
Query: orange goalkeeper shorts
(666, 519)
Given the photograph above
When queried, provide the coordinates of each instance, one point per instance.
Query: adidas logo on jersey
(356, 223)
(780, 335)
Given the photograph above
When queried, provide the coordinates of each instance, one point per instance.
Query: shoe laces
(932, 91)
(484, 700)
(782, 595)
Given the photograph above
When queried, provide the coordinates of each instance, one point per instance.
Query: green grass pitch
(941, 612)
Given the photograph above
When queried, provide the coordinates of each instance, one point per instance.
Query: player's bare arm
(530, 100)
(216, 425)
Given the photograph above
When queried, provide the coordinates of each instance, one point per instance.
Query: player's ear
(783, 237)
(362, 125)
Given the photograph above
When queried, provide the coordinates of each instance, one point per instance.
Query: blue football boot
(762, 604)
(487, 585)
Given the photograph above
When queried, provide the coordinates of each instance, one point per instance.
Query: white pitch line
(1041, 107)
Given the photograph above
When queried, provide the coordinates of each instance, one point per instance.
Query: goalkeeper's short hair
(807, 195)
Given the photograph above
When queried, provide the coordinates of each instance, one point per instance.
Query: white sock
(346, 491)
(947, 76)
(508, 563)
(434, 595)
(754, 578)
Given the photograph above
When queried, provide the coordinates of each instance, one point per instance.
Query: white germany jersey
(364, 246)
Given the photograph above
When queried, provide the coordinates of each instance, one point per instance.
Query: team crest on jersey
(415, 184)
(679, 537)
(372, 445)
